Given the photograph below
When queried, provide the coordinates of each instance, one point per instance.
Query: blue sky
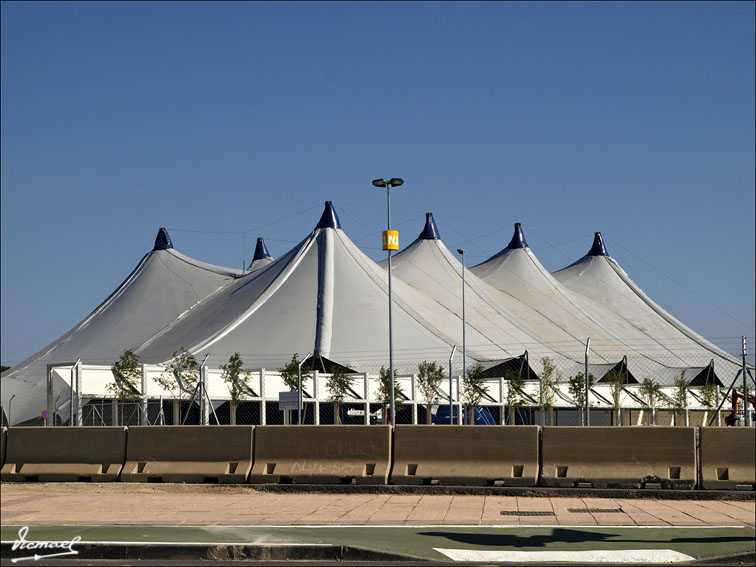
(634, 119)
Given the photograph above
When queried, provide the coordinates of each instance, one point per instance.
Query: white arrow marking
(590, 556)
(38, 557)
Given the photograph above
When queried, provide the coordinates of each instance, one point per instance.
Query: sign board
(390, 240)
(288, 400)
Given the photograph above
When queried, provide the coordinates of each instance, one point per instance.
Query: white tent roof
(517, 272)
(327, 296)
(499, 324)
(323, 295)
(165, 284)
(609, 295)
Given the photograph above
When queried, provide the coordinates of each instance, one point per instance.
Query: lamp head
(379, 183)
(460, 251)
(396, 181)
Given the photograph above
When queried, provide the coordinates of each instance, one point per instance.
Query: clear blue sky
(634, 119)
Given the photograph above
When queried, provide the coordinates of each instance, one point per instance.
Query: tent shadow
(511, 540)
(564, 535)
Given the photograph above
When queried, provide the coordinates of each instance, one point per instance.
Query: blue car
(482, 416)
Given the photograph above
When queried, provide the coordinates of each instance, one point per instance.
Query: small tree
(184, 375)
(237, 378)
(338, 384)
(576, 388)
(429, 377)
(650, 390)
(474, 387)
(680, 395)
(127, 375)
(384, 391)
(290, 376)
(709, 395)
(515, 385)
(290, 373)
(616, 382)
(549, 377)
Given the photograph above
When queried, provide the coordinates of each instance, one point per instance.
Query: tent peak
(329, 218)
(598, 248)
(518, 238)
(162, 241)
(430, 232)
(261, 251)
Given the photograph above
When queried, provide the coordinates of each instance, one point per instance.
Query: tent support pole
(263, 407)
(366, 393)
(50, 402)
(587, 419)
(316, 393)
(143, 405)
(746, 411)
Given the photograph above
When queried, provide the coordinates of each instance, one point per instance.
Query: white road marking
(592, 556)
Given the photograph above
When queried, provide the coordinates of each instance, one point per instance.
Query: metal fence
(631, 390)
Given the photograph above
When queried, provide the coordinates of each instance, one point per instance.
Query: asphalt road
(488, 544)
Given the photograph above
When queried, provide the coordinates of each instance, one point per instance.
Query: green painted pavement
(419, 541)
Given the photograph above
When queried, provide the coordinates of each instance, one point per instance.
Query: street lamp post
(461, 252)
(746, 416)
(388, 184)
(451, 388)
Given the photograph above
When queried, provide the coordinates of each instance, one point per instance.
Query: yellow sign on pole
(390, 240)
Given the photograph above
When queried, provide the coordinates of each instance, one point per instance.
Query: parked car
(482, 416)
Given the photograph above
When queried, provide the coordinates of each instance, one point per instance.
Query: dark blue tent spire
(598, 248)
(329, 218)
(430, 232)
(163, 241)
(261, 251)
(518, 238)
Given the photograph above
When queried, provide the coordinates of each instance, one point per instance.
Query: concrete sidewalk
(202, 505)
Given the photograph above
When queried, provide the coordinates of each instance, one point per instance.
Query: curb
(437, 489)
(532, 492)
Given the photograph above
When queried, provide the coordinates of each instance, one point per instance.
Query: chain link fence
(632, 390)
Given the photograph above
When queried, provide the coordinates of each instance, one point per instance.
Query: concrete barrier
(322, 454)
(64, 454)
(189, 453)
(728, 457)
(463, 455)
(619, 457)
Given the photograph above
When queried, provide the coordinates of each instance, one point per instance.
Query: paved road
(439, 527)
